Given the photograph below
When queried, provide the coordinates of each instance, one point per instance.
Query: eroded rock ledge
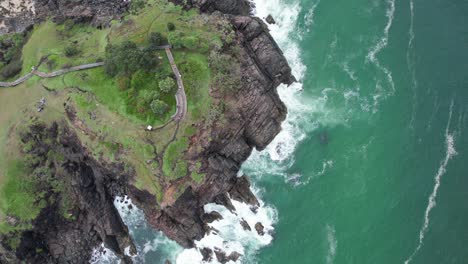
(253, 119)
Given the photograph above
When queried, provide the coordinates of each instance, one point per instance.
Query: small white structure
(149, 128)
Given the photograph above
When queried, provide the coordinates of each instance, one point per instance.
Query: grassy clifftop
(109, 112)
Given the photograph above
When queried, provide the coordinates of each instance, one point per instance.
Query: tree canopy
(166, 85)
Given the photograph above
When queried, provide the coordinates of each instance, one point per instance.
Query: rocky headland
(253, 117)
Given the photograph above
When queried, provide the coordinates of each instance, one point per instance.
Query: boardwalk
(51, 74)
(181, 98)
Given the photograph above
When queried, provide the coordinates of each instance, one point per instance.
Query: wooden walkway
(181, 98)
(51, 74)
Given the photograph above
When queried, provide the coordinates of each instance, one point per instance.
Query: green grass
(196, 175)
(119, 131)
(174, 165)
(18, 197)
(51, 39)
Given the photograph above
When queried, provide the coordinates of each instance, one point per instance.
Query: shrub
(123, 82)
(127, 58)
(159, 107)
(10, 46)
(11, 69)
(175, 39)
(136, 6)
(149, 95)
(226, 70)
(155, 39)
(171, 26)
(167, 85)
(190, 42)
(71, 51)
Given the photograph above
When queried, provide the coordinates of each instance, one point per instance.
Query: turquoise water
(371, 164)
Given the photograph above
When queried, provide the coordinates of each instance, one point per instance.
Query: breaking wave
(231, 235)
(381, 44)
(449, 153)
(332, 244)
(151, 245)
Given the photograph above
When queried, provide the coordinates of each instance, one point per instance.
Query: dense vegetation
(146, 85)
(10, 54)
(113, 104)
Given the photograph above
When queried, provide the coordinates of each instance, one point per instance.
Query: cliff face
(20, 17)
(233, 7)
(69, 236)
(253, 118)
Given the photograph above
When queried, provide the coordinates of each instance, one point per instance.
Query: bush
(175, 39)
(159, 107)
(11, 69)
(167, 85)
(123, 82)
(226, 71)
(171, 26)
(10, 46)
(149, 95)
(191, 42)
(155, 39)
(127, 58)
(71, 51)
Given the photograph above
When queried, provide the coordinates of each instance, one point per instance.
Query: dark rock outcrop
(253, 118)
(97, 12)
(260, 228)
(232, 7)
(270, 20)
(207, 254)
(222, 257)
(211, 217)
(92, 219)
(245, 225)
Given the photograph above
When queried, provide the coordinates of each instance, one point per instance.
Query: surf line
(450, 152)
(382, 43)
(410, 57)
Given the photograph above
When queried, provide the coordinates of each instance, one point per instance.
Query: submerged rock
(245, 225)
(211, 217)
(270, 20)
(207, 254)
(260, 228)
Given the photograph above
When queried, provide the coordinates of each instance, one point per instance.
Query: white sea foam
(309, 16)
(449, 153)
(382, 43)
(230, 236)
(410, 61)
(332, 244)
(103, 255)
(147, 240)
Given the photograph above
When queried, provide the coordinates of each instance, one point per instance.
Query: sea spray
(230, 236)
(410, 61)
(152, 245)
(332, 244)
(376, 49)
(449, 153)
(305, 114)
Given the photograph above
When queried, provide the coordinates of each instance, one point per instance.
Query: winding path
(181, 98)
(51, 74)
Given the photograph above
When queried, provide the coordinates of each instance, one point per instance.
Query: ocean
(371, 164)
